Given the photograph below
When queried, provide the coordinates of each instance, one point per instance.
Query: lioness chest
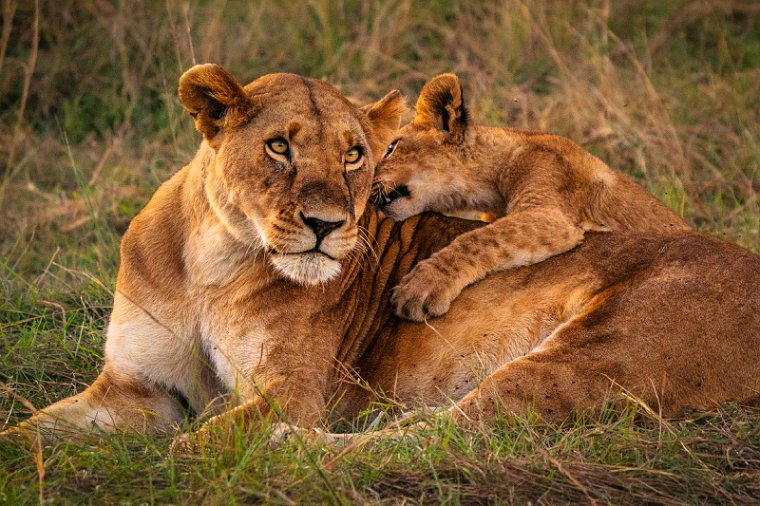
(234, 321)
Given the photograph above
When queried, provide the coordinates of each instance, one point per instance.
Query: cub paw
(423, 293)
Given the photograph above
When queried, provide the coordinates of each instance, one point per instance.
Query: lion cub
(545, 190)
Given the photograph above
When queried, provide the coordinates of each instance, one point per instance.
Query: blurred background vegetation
(90, 124)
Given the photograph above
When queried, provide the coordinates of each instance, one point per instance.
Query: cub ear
(385, 117)
(214, 99)
(441, 106)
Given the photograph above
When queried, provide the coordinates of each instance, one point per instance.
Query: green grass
(621, 458)
(664, 91)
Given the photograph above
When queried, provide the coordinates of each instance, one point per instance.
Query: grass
(621, 458)
(90, 125)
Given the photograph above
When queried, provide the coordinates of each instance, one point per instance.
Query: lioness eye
(279, 146)
(391, 149)
(353, 158)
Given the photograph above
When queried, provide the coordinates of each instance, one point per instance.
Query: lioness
(246, 272)
(551, 190)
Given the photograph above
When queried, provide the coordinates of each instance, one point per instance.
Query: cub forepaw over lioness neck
(290, 165)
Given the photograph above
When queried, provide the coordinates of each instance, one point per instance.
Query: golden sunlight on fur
(547, 190)
(256, 283)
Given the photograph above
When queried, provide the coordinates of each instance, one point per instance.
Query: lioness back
(547, 191)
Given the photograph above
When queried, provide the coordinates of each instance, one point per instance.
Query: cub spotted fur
(545, 190)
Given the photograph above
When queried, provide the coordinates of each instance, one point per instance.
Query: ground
(90, 125)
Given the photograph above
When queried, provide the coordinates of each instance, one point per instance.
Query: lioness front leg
(114, 402)
(146, 358)
(522, 238)
(288, 401)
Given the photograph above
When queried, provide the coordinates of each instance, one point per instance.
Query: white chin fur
(307, 268)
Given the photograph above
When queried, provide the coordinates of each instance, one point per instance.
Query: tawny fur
(202, 308)
(547, 191)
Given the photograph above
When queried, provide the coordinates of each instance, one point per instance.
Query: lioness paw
(189, 442)
(284, 433)
(423, 293)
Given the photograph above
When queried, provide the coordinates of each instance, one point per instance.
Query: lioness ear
(385, 117)
(441, 106)
(213, 98)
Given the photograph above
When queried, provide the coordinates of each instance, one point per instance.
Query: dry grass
(666, 93)
(90, 124)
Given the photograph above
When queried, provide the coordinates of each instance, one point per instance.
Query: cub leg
(523, 237)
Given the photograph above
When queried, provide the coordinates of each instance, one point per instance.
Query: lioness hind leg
(533, 383)
(112, 403)
(650, 336)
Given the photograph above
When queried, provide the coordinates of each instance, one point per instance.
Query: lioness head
(291, 163)
(421, 169)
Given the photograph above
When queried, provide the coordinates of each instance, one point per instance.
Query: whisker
(378, 194)
(363, 239)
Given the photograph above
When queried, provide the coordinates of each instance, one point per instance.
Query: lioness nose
(321, 228)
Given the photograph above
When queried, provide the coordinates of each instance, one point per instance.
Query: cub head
(289, 163)
(422, 167)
